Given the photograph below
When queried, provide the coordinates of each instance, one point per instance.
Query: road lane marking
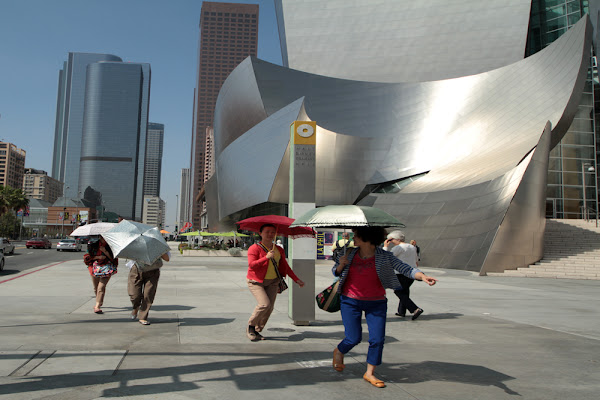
(20, 276)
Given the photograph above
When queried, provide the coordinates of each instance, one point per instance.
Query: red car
(41, 243)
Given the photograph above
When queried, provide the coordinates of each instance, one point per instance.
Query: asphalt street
(24, 258)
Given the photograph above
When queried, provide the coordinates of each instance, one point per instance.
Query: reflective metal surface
(473, 137)
(401, 41)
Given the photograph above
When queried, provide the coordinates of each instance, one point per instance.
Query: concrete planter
(211, 253)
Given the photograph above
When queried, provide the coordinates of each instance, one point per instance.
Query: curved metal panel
(474, 136)
(414, 41)
(240, 184)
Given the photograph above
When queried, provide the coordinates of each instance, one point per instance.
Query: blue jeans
(375, 314)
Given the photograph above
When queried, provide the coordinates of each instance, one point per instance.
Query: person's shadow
(447, 372)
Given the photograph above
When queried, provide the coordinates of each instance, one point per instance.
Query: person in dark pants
(407, 253)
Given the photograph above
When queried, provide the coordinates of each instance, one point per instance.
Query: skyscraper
(12, 165)
(228, 34)
(114, 136)
(69, 118)
(154, 151)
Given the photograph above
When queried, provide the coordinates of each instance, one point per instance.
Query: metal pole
(176, 213)
(583, 182)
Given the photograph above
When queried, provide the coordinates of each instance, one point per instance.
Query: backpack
(340, 250)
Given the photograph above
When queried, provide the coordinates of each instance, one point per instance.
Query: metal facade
(478, 141)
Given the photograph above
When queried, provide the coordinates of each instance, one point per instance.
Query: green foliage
(235, 252)
(12, 199)
(9, 224)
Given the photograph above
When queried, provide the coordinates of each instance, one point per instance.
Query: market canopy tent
(222, 234)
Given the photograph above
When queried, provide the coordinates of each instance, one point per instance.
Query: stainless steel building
(458, 149)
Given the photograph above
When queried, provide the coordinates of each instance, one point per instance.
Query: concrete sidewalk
(479, 338)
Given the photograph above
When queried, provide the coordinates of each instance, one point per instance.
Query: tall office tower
(38, 185)
(572, 172)
(154, 152)
(209, 154)
(228, 34)
(154, 211)
(69, 118)
(12, 165)
(114, 136)
(184, 210)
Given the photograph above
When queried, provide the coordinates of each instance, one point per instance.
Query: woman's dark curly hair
(372, 234)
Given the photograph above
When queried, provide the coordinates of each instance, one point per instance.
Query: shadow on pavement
(263, 379)
(448, 372)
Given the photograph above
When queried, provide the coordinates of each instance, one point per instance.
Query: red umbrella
(281, 223)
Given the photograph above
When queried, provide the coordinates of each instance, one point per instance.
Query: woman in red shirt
(262, 279)
(365, 272)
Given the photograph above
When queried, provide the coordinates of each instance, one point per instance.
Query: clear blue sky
(37, 35)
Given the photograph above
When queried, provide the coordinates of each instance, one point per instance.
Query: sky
(37, 35)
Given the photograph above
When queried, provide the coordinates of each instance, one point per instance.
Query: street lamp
(176, 213)
(586, 215)
(62, 231)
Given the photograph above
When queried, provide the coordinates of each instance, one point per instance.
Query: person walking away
(365, 272)
(142, 283)
(407, 253)
(414, 243)
(263, 258)
(99, 254)
(341, 246)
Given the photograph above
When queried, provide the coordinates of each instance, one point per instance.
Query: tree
(8, 223)
(12, 199)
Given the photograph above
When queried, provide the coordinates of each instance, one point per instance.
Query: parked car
(40, 243)
(6, 246)
(83, 239)
(1, 260)
(68, 244)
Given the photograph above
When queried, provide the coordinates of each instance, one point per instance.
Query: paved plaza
(479, 338)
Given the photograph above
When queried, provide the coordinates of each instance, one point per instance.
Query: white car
(6, 246)
(68, 244)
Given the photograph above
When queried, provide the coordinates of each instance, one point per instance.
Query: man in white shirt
(407, 253)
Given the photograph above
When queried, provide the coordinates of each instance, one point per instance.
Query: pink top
(363, 282)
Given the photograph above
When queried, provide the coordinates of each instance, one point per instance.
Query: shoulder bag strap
(272, 260)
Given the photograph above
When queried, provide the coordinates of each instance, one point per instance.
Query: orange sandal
(338, 360)
(374, 381)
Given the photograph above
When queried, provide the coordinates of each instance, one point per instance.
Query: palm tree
(4, 199)
(18, 200)
(12, 199)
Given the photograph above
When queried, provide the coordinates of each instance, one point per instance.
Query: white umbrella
(136, 241)
(93, 229)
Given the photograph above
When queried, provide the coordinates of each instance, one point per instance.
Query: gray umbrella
(136, 241)
(346, 216)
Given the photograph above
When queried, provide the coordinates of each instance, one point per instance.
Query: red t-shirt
(362, 282)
